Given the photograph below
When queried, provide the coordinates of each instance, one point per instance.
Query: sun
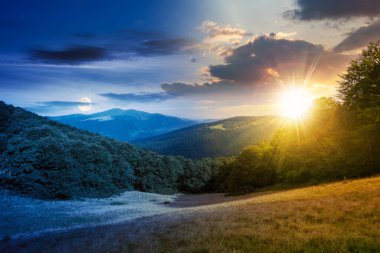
(294, 103)
(86, 104)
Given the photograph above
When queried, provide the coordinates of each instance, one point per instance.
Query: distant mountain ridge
(125, 125)
(220, 138)
(45, 159)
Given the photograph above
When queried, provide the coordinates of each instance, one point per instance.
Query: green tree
(360, 86)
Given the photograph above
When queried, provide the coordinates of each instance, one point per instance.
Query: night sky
(188, 58)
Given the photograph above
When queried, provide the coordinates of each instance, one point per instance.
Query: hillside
(337, 217)
(46, 159)
(125, 125)
(221, 138)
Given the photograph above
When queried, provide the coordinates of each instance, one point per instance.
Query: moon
(87, 104)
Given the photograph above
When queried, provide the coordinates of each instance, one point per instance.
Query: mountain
(46, 159)
(125, 125)
(221, 138)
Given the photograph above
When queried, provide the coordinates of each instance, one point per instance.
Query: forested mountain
(221, 138)
(46, 159)
(125, 125)
(338, 139)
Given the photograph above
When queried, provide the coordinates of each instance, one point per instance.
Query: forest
(46, 159)
(210, 139)
(338, 140)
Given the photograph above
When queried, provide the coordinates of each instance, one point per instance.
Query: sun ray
(294, 103)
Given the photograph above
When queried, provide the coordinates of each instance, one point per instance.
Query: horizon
(152, 112)
(132, 109)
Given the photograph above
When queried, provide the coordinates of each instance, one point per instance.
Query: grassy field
(337, 217)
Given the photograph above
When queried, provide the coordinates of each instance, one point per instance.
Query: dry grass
(338, 217)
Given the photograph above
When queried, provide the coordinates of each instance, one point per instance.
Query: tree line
(340, 139)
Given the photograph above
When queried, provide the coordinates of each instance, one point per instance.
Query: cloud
(282, 35)
(334, 9)
(65, 103)
(267, 58)
(220, 40)
(185, 89)
(132, 43)
(174, 90)
(122, 45)
(138, 97)
(217, 32)
(360, 38)
(71, 55)
(49, 106)
(264, 65)
(163, 46)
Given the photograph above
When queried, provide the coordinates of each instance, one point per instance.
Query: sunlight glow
(294, 103)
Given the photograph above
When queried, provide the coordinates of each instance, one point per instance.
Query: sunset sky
(189, 58)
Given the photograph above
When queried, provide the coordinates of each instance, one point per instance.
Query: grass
(337, 217)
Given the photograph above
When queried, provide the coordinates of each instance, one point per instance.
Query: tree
(252, 169)
(360, 86)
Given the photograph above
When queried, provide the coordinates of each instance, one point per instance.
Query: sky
(194, 59)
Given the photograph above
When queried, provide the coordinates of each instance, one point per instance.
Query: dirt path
(195, 219)
(114, 237)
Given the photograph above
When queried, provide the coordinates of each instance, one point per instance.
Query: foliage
(46, 159)
(336, 141)
(360, 86)
(217, 139)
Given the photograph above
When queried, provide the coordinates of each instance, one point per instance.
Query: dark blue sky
(31, 24)
(183, 58)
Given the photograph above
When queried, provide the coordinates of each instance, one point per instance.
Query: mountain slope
(221, 138)
(125, 125)
(46, 159)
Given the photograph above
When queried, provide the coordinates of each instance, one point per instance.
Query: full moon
(86, 104)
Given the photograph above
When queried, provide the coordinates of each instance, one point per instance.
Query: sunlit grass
(338, 217)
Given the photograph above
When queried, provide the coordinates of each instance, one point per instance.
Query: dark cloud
(360, 38)
(125, 44)
(132, 42)
(334, 9)
(163, 46)
(72, 55)
(264, 65)
(267, 58)
(186, 89)
(137, 97)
